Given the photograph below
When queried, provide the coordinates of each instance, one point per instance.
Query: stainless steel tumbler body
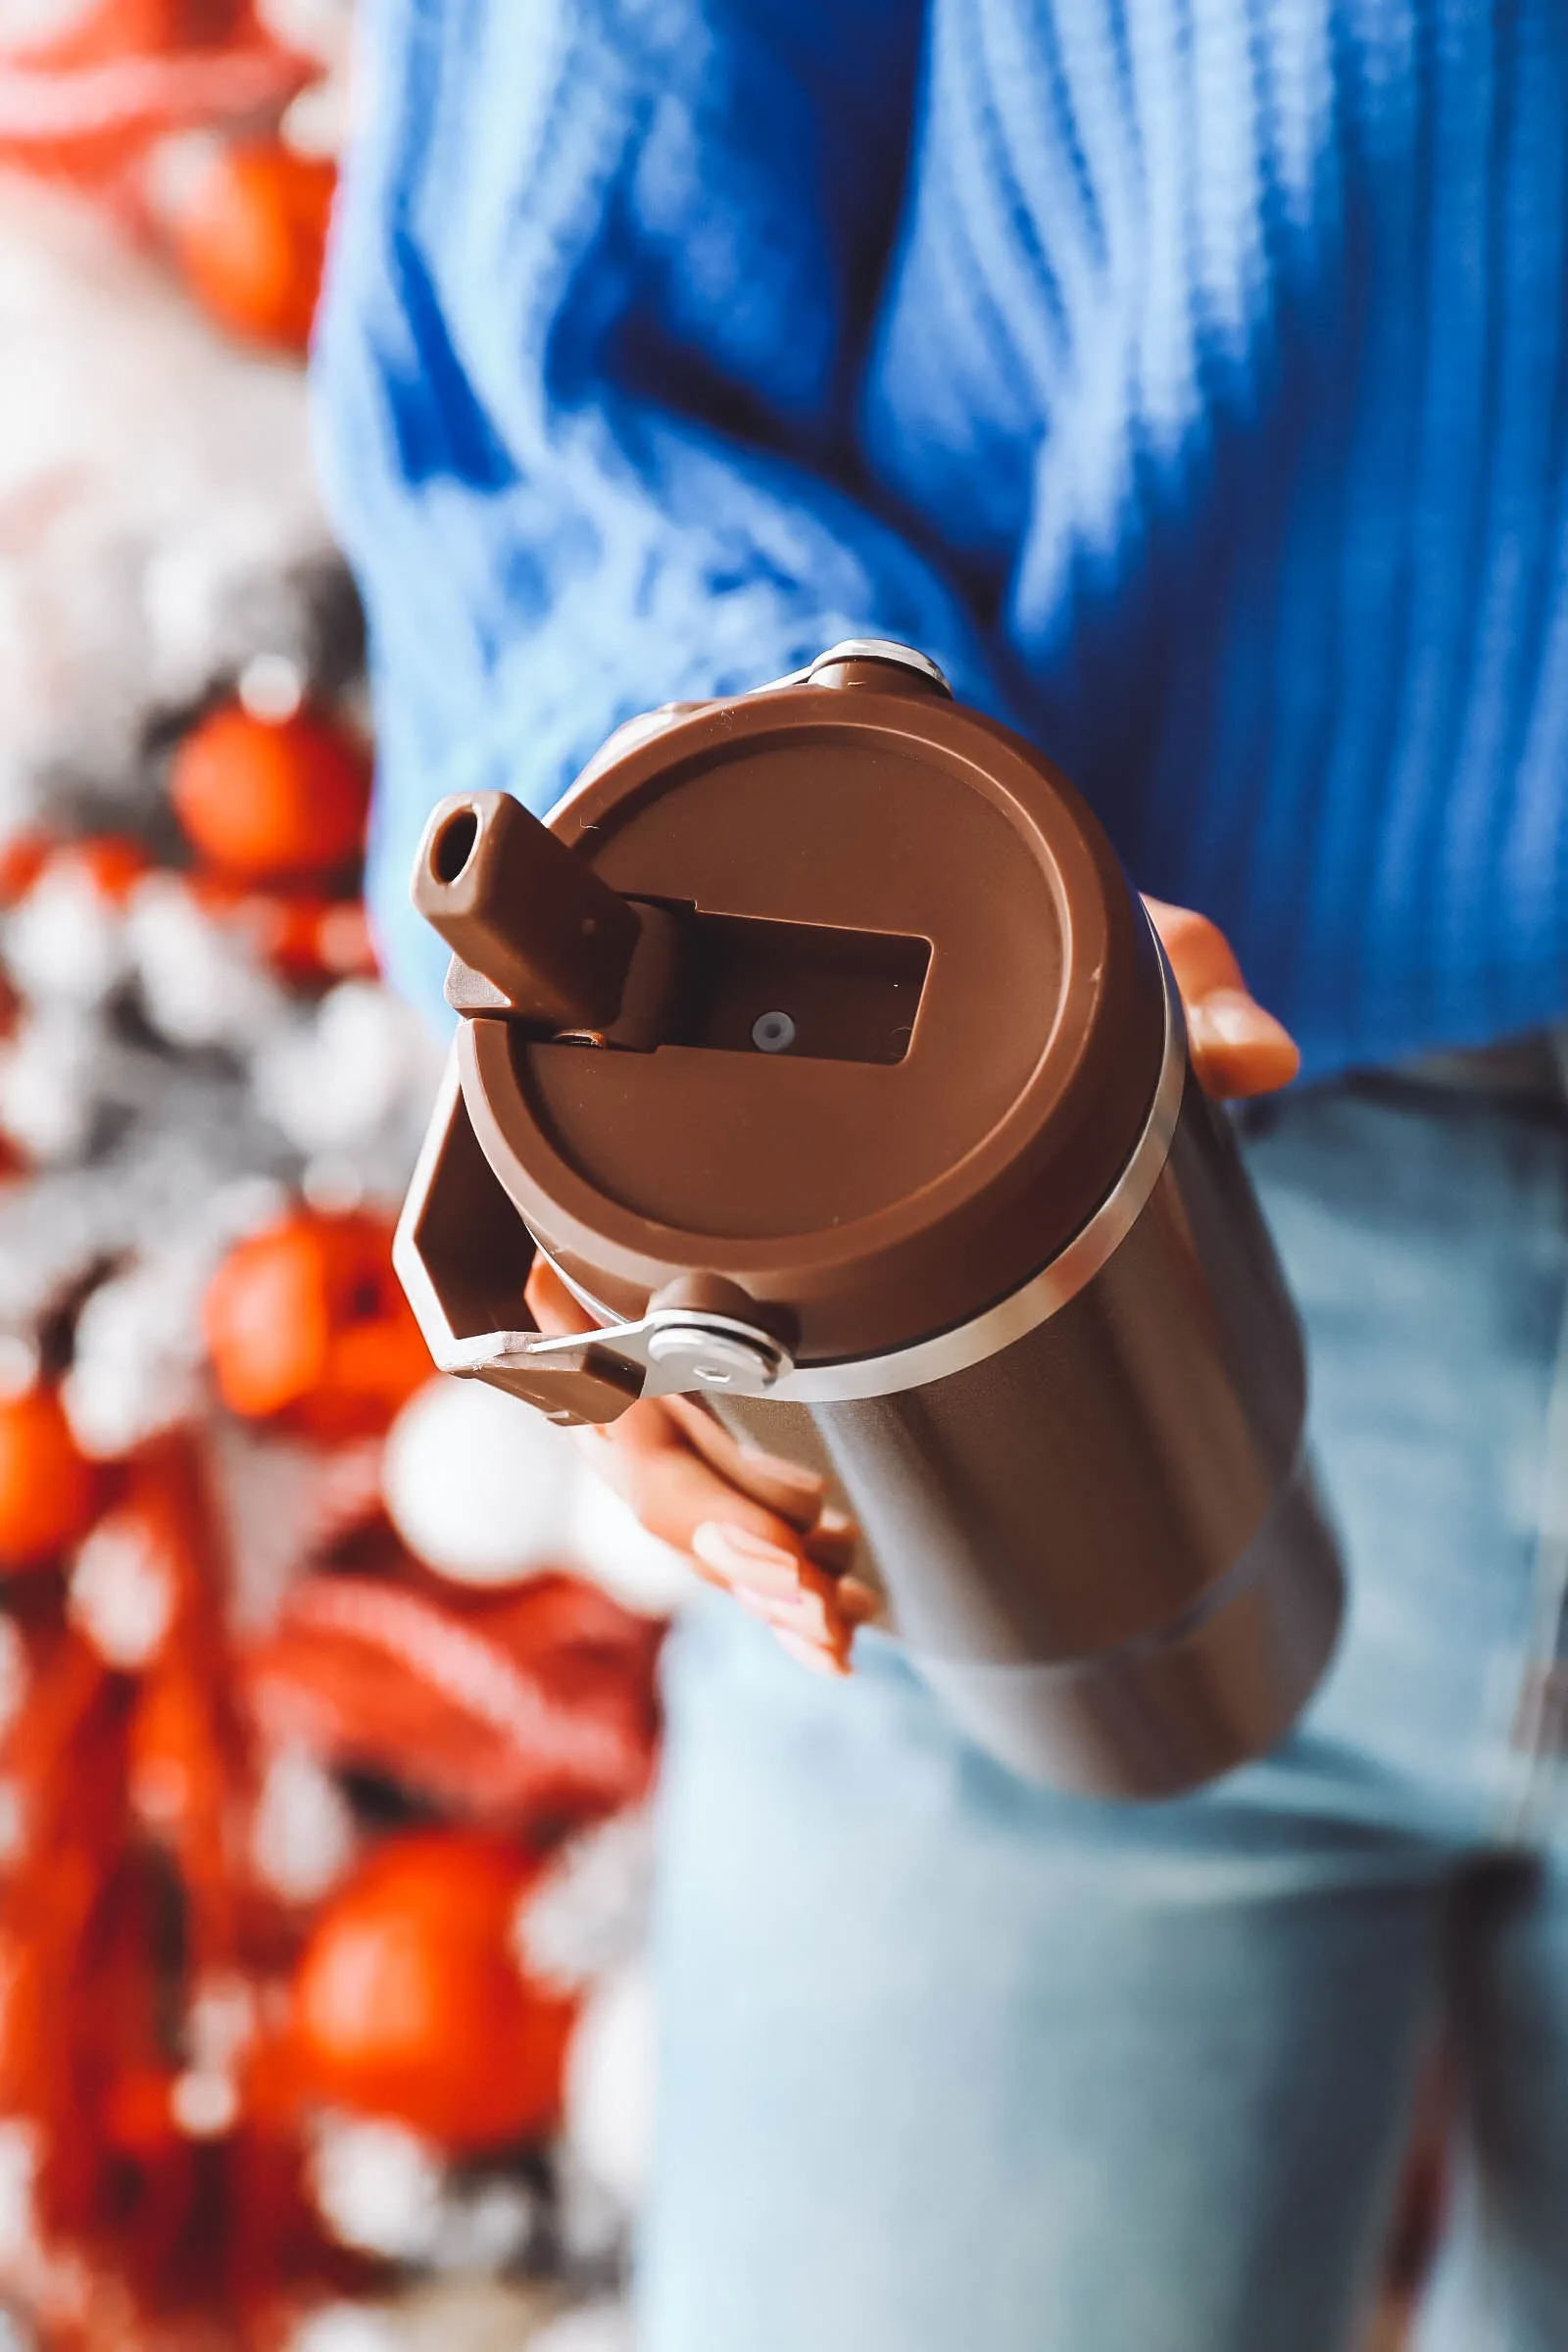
(859, 1102)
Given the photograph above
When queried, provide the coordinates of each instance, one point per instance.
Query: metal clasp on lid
(671, 1352)
(863, 648)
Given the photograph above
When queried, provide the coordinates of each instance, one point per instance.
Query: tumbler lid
(880, 1034)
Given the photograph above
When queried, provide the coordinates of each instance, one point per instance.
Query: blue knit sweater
(1190, 376)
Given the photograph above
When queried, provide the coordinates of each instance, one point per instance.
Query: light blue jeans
(953, 2065)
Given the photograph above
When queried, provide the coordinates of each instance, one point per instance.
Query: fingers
(748, 1521)
(550, 1303)
(1237, 1048)
(833, 1542)
(809, 1609)
(675, 1491)
(788, 1575)
(796, 1495)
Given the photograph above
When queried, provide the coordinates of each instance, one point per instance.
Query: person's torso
(1225, 353)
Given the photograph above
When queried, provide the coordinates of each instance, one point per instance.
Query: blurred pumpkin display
(302, 936)
(536, 1709)
(250, 236)
(306, 1319)
(410, 2004)
(271, 800)
(47, 1487)
(86, 102)
(324, 1758)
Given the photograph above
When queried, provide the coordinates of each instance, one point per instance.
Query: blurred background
(327, 1689)
(328, 1709)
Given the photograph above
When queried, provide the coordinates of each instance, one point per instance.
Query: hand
(1237, 1048)
(761, 1526)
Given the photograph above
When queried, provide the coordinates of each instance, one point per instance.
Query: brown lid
(886, 1030)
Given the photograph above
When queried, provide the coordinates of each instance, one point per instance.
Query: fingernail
(755, 1604)
(808, 1654)
(802, 1613)
(746, 1559)
(1231, 1017)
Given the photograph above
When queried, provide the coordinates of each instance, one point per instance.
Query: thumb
(1237, 1046)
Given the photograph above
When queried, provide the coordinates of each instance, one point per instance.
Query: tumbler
(821, 1044)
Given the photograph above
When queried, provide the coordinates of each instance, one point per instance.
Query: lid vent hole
(454, 845)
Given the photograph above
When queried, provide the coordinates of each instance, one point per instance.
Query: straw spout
(547, 941)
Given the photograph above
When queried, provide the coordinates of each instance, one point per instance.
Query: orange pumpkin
(410, 2004)
(271, 800)
(307, 1320)
(48, 1489)
(250, 238)
(22, 858)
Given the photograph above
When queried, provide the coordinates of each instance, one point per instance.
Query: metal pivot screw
(697, 1355)
(773, 1033)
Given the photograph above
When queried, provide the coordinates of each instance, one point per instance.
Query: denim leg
(953, 2065)
(1427, 1245)
(949, 2063)
(1452, 1485)
(1503, 2284)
